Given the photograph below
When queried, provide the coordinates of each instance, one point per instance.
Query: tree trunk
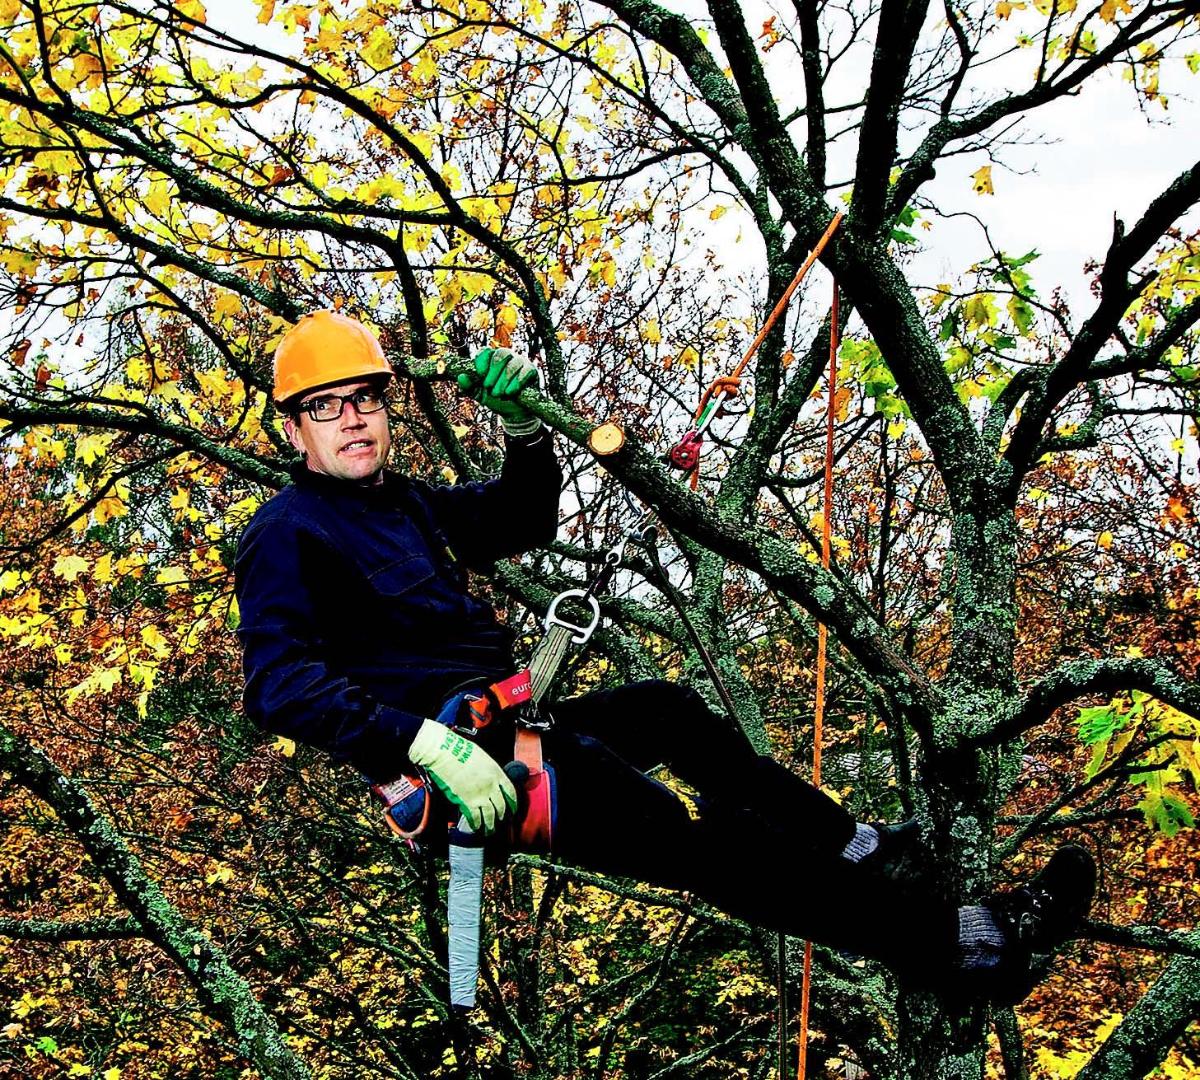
(964, 787)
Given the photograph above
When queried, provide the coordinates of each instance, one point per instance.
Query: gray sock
(864, 841)
(980, 940)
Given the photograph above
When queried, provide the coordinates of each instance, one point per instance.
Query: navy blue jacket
(356, 623)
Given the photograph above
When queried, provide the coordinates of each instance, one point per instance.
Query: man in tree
(357, 626)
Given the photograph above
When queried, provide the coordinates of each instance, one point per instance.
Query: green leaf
(1166, 813)
(1020, 313)
(1099, 751)
(892, 407)
(47, 1045)
(1097, 724)
(995, 387)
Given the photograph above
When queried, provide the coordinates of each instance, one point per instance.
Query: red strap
(528, 749)
(512, 691)
(533, 830)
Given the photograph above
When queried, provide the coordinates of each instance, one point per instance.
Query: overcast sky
(1103, 156)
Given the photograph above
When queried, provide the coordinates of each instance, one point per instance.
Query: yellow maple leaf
(506, 323)
(88, 70)
(170, 575)
(1110, 8)
(90, 447)
(154, 639)
(266, 11)
(69, 567)
(193, 10)
(981, 180)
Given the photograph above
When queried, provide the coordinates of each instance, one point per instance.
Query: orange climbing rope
(822, 640)
(685, 454)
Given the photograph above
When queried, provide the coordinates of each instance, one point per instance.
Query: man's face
(355, 446)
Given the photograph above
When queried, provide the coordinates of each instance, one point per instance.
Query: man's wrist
(523, 428)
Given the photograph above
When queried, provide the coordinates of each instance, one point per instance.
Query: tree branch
(81, 930)
(145, 423)
(1116, 293)
(899, 24)
(206, 967)
(1079, 677)
(1153, 1025)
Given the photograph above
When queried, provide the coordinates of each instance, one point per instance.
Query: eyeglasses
(331, 406)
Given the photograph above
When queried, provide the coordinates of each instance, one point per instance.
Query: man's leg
(615, 820)
(661, 723)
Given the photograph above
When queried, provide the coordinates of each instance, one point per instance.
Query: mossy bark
(226, 996)
(1153, 1025)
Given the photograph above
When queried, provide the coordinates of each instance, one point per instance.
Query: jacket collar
(392, 487)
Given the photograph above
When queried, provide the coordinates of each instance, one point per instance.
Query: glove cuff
(427, 742)
(529, 426)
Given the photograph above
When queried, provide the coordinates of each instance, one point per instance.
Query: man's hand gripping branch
(500, 376)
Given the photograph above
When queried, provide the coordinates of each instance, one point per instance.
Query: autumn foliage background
(1014, 598)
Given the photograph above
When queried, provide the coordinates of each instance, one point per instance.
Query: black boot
(899, 854)
(1032, 921)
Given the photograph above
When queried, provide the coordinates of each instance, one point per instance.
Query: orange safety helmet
(323, 349)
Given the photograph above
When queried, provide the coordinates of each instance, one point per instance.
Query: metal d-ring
(579, 633)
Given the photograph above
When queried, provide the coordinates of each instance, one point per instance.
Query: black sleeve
(289, 688)
(507, 515)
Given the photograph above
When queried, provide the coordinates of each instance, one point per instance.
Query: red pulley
(685, 454)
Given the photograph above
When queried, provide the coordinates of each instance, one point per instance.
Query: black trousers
(764, 846)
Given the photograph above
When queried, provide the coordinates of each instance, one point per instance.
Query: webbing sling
(533, 830)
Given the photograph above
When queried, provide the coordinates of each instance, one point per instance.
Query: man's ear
(291, 428)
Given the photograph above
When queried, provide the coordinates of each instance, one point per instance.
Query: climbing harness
(407, 800)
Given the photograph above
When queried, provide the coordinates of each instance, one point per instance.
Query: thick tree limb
(225, 993)
(807, 15)
(1079, 677)
(1154, 938)
(145, 422)
(1152, 1026)
(776, 560)
(81, 930)
(899, 25)
(885, 300)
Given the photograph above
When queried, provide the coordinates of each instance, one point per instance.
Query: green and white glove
(467, 776)
(500, 376)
